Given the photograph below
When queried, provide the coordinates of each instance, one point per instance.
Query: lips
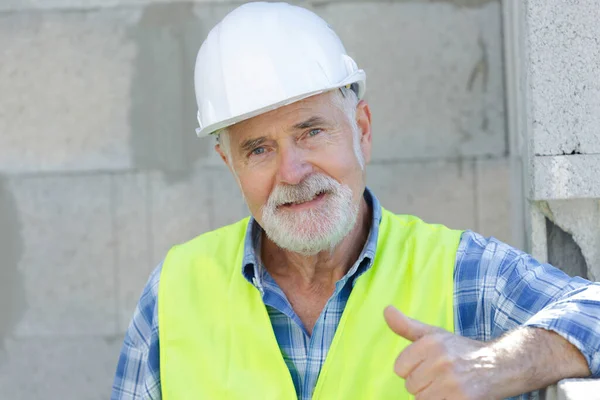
(298, 202)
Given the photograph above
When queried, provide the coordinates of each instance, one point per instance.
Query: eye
(257, 151)
(314, 132)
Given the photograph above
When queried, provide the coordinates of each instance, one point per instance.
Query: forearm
(528, 359)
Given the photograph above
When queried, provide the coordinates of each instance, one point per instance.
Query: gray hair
(345, 99)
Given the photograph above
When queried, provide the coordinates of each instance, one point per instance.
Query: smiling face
(301, 169)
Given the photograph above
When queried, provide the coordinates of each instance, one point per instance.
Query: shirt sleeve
(138, 370)
(498, 288)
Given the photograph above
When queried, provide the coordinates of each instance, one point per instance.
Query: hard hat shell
(262, 56)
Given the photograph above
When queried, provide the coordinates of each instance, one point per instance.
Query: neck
(323, 269)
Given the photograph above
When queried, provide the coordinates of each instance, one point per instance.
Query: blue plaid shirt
(496, 289)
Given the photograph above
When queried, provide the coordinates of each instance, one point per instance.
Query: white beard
(310, 231)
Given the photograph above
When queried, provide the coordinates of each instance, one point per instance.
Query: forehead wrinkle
(267, 121)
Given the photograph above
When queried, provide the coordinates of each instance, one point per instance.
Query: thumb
(404, 326)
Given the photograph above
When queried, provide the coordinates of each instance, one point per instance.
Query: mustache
(306, 190)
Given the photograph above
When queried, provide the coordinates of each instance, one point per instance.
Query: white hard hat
(262, 56)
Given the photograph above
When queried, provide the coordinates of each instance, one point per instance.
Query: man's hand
(441, 365)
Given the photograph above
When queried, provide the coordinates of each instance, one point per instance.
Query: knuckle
(429, 340)
(436, 343)
(460, 391)
(445, 363)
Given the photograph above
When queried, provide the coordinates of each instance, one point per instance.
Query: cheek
(340, 162)
(256, 189)
(343, 166)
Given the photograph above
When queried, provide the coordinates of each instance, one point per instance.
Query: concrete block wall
(100, 171)
(562, 63)
(559, 94)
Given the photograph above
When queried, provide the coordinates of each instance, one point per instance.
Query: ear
(225, 158)
(363, 120)
(219, 150)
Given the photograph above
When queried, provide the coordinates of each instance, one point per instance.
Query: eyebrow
(250, 144)
(309, 123)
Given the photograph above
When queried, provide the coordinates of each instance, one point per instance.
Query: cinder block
(68, 5)
(563, 69)
(573, 389)
(163, 109)
(434, 75)
(538, 235)
(131, 197)
(494, 194)
(154, 211)
(436, 192)
(457, 3)
(13, 300)
(16, 5)
(105, 89)
(28, 5)
(581, 219)
(566, 177)
(65, 83)
(180, 209)
(58, 368)
(563, 251)
(68, 258)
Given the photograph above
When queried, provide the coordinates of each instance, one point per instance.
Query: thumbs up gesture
(440, 365)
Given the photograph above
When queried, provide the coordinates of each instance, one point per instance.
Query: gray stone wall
(562, 93)
(100, 171)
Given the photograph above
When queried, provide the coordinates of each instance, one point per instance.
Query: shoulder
(477, 251)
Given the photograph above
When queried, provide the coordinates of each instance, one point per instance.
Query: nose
(293, 167)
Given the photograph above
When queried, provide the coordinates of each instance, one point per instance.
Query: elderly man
(322, 293)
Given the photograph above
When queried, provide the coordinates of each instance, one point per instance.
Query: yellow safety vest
(216, 338)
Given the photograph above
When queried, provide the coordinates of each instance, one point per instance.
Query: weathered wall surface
(562, 65)
(100, 171)
(561, 128)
